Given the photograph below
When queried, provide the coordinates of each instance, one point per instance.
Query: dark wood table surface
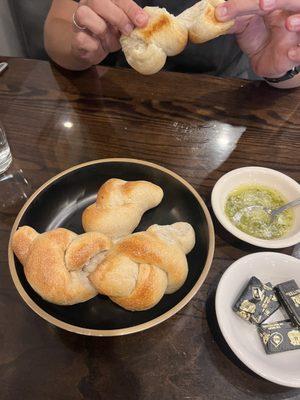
(200, 127)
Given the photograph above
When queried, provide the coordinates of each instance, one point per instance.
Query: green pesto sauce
(257, 222)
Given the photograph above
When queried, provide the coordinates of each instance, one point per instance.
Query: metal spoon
(272, 213)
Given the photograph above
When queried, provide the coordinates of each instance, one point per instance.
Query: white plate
(241, 336)
(287, 186)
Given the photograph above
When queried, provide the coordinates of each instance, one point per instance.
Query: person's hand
(268, 31)
(98, 25)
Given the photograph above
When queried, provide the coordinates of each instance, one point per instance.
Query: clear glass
(5, 154)
(14, 189)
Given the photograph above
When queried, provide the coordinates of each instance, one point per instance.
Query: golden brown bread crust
(22, 241)
(141, 268)
(146, 49)
(54, 262)
(201, 22)
(147, 248)
(156, 26)
(65, 268)
(83, 248)
(120, 206)
(164, 31)
(150, 287)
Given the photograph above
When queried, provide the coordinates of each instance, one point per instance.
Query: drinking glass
(14, 187)
(5, 154)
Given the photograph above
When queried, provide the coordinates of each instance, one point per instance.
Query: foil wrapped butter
(256, 302)
(279, 336)
(289, 295)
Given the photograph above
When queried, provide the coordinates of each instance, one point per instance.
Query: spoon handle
(286, 207)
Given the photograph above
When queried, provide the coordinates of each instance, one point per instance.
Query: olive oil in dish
(257, 222)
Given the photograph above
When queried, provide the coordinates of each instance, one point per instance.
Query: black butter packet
(279, 336)
(257, 301)
(289, 295)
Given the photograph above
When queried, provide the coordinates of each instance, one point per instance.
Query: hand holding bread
(96, 29)
(146, 49)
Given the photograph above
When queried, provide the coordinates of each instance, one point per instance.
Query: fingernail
(221, 12)
(292, 54)
(294, 22)
(141, 19)
(268, 4)
(128, 29)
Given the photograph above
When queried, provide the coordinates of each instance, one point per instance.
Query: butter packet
(289, 295)
(279, 336)
(257, 302)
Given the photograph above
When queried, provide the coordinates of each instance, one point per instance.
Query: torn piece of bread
(201, 22)
(147, 49)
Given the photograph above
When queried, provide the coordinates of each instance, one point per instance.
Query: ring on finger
(75, 23)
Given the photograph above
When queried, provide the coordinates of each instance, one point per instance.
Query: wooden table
(200, 127)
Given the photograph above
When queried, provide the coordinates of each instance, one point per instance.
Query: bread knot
(57, 263)
(120, 206)
(142, 267)
(146, 49)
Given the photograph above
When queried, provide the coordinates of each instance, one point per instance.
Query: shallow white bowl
(289, 189)
(241, 336)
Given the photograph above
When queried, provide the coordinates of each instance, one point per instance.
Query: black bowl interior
(61, 205)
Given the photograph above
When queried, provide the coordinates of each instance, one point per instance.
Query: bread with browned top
(57, 263)
(146, 49)
(65, 268)
(201, 22)
(142, 267)
(120, 206)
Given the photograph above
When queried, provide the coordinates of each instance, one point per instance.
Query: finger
(293, 23)
(95, 57)
(83, 43)
(111, 43)
(136, 14)
(240, 24)
(270, 5)
(112, 14)
(113, 39)
(88, 48)
(87, 18)
(237, 8)
(294, 55)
